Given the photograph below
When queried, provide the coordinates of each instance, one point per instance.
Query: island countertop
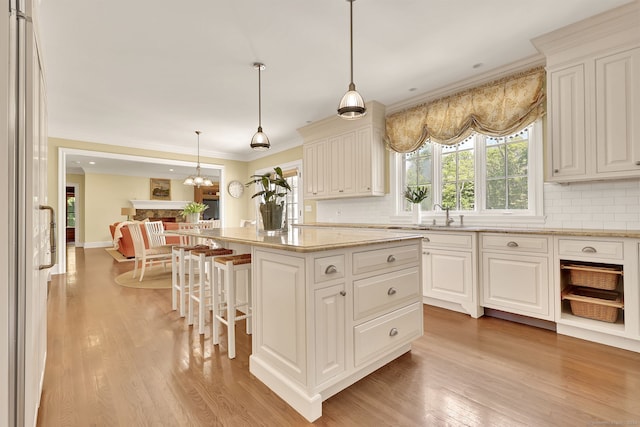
(299, 239)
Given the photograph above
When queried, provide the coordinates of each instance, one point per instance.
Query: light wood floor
(122, 357)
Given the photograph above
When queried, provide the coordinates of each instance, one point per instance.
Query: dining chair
(144, 255)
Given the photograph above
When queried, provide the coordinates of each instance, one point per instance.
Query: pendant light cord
(259, 98)
(351, 38)
(198, 133)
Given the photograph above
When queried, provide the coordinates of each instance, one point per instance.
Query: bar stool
(228, 267)
(200, 287)
(178, 271)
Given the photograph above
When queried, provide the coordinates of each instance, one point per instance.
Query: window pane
(467, 195)
(518, 193)
(466, 170)
(496, 194)
(518, 160)
(449, 195)
(495, 161)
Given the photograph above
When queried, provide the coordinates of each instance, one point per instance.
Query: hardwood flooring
(121, 357)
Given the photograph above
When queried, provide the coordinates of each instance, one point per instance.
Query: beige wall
(100, 190)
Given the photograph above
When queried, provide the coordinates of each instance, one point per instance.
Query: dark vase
(272, 216)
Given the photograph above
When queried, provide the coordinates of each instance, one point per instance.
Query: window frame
(482, 215)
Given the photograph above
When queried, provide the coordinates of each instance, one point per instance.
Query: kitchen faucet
(447, 220)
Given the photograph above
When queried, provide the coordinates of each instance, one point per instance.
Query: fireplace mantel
(159, 204)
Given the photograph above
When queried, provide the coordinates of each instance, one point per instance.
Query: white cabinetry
(449, 262)
(595, 253)
(345, 158)
(593, 86)
(516, 274)
(315, 169)
(324, 320)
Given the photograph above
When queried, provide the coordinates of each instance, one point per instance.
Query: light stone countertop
(569, 232)
(300, 239)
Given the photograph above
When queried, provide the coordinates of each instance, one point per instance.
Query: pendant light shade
(351, 105)
(198, 180)
(260, 142)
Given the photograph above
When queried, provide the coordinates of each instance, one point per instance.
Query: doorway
(70, 224)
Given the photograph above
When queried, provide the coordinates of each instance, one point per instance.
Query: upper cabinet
(345, 158)
(593, 87)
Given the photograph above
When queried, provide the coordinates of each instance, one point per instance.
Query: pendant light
(351, 105)
(198, 180)
(260, 142)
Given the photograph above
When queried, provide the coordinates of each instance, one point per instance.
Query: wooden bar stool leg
(249, 313)
(216, 297)
(191, 285)
(202, 291)
(182, 278)
(230, 288)
(174, 281)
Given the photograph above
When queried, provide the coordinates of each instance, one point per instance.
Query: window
(418, 166)
(291, 172)
(482, 175)
(292, 199)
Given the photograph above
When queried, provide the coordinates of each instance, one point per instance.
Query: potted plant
(192, 211)
(416, 195)
(271, 187)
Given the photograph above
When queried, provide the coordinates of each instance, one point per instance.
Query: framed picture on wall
(160, 189)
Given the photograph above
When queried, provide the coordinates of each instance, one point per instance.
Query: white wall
(602, 205)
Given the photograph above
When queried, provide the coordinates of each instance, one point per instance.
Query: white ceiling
(148, 73)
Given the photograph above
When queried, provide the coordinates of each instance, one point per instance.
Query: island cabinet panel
(325, 319)
(330, 330)
(279, 313)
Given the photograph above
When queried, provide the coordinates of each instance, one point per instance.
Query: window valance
(499, 108)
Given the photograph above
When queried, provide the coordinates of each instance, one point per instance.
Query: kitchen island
(330, 306)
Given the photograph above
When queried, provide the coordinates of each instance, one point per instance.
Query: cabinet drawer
(387, 258)
(387, 332)
(515, 243)
(591, 248)
(446, 240)
(381, 293)
(328, 268)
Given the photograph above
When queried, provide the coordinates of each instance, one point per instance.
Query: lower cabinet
(449, 271)
(516, 274)
(330, 333)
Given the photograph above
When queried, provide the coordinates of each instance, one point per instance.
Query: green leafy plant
(194, 207)
(416, 194)
(270, 186)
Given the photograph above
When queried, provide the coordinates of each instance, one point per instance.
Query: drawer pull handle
(330, 269)
(589, 249)
(556, 170)
(343, 293)
(391, 258)
(512, 244)
(393, 332)
(426, 239)
(391, 291)
(638, 163)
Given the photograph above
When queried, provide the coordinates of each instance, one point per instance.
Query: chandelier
(198, 180)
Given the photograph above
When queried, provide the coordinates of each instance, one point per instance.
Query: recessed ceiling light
(478, 65)
(92, 163)
(413, 89)
(170, 170)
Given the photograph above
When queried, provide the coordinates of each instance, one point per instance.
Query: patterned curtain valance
(498, 108)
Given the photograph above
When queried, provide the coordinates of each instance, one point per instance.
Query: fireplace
(159, 210)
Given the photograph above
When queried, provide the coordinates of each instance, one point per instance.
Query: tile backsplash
(601, 205)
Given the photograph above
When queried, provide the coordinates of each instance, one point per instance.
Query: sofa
(124, 243)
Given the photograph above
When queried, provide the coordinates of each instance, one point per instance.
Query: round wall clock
(236, 189)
